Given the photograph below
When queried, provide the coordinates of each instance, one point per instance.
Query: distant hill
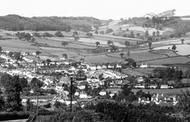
(176, 26)
(17, 23)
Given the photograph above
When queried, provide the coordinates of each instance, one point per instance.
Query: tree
(23, 83)
(36, 34)
(132, 35)
(5, 78)
(89, 34)
(38, 53)
(182, 41)
(184, 101)
(121, 55)
(157, 33)
(174, 47)
(59, 105)
(127, 43)
(109, 30)
(128, 53)
(97, 44)
(187, 74)
(138, 34)
(59, 34)
(76, 36)
(46, 34)
(96, 32)
(48, 62)
(29, 105)
(126, 95)
(153, 33)
(81, 75)
(2, 102)
(64, 43)
(101, 32)
(17, 56)
(12, 88)
(130, 62)
(65, 55)
(150, 43)
(36, 84)
(109, 42)
(1, 49)
(146, 34)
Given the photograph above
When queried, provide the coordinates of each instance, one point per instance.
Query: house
(140, 79)
(165, 86)
(92, 67)
(102, 93)
(139, 86)
(84, 96)
(153, 86)
(99, 67)
(143, 66)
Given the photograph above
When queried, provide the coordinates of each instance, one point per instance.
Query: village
(90, 81)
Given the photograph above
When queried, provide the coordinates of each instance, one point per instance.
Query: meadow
(79, 49)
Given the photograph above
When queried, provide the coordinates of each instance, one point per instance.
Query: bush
(109, 30)
(13, 116)
(46, 34)
(45, 112)
(59, 34)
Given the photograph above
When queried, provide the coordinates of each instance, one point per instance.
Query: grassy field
(78, 49)
(177, 91)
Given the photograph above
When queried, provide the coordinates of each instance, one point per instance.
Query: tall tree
(12, 88)
(76, 36)
(174, 47)
(23, 83)
(150, 43)
(1, 49)
(184, 101)
(146, 34)
(2, 101)
(48, 62)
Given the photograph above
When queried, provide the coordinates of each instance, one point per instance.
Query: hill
(18, 23)
(137, 27)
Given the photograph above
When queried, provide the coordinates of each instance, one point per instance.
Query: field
(176, 91)
(80, 49)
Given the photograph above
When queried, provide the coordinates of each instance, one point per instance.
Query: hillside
(137, 26)
(17, 23)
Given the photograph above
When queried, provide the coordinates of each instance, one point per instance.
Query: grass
(177, 91)
(78, 49)
(172, 60)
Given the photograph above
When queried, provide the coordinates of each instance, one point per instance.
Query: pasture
(176, 91)
(79, 49)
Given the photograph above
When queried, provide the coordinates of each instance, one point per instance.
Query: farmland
(177, 91)
(80, 49)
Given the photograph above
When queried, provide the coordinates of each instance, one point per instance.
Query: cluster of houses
(56, 73)
(159, 99)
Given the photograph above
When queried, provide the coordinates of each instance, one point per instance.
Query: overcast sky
(102, 9)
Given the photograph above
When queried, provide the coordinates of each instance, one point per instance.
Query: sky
(101, 9)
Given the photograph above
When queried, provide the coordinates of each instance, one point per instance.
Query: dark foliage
(121, 113)
(13, 116)
(168, 73)
(17, 23)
